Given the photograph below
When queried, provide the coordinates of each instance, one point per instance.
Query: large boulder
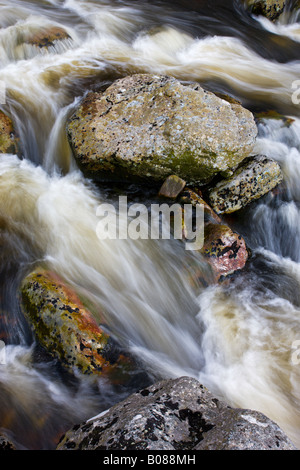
(149, 127)
(271, 9)
(173, 415)
(253, 179)
(68, 330)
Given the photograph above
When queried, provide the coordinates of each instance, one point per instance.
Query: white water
(235, 339)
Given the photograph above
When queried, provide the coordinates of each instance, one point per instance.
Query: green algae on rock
(8, 139)
(148, 127)
(67, 330)
(253, 179)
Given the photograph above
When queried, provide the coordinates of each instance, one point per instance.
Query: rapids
(239, 339)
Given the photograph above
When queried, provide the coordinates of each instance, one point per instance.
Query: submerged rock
(271, 9)
(147, 127)
(178, 414)
(67, 329)
(225, 250)
(8, 138)
(46, 38)
(253, 179)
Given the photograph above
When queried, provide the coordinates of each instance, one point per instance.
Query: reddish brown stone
(224, 249)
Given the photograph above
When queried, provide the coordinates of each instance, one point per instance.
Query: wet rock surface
(179, 414)
(148, 127)
(224, 249)
(8, 138)
(68, 330)
(253, 179)
(271, 9)
(47, 37)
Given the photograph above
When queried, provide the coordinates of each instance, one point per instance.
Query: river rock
(8, 138)
(224, 249)
(172, 415)
(194, 197)
(172, 187)
(48, 37)
(68, 330)
(253, 179)
(148, 127)
(271, 9)
(6, 444)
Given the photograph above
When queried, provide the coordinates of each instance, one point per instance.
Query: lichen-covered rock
(149, 127)
(67, 329)
(8, 138)
(271, 9)
(253, 179)
(225, 250)
(48, 37)
(177, 414)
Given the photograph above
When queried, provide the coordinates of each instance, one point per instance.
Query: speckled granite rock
(68, 330)
(8, 138)
(177, 414)
(271, 9)
(253, 179)
(149, 127)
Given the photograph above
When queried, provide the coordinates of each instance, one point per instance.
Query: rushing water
(236, 338)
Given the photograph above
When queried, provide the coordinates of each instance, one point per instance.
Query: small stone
(188, 196)
(8, 139)
(172, 187)
(225, 250)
